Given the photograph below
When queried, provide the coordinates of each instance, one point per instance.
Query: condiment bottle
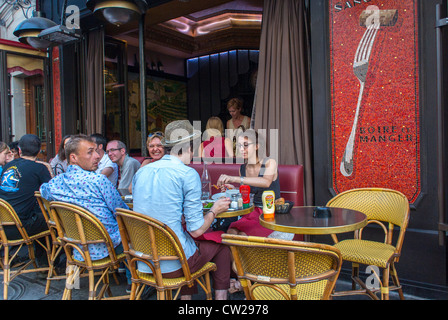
(240, 201)
(245, 193)
(268, 198)
(234, 203)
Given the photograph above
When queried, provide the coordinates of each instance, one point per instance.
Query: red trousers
(208, 251)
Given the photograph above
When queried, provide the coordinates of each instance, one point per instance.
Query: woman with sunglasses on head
(261, 174)
(155, 148)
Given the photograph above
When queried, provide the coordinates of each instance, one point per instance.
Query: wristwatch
(241, 180)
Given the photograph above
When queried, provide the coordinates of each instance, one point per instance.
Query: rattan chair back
(150, 241)
(389, 209)
(9, 217)
(11, 247)
(44, 205)
(379, 205)
(273, 269)
(78, 228)
(57, 246)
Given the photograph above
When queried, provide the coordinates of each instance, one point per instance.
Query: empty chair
(149, 241)
(273, 269)
(389, 209)
(11, 266)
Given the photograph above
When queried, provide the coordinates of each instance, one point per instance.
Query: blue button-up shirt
(92, 191)
(166, 190)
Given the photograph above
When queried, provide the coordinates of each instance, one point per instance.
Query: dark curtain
(282, 98)
(95, 83)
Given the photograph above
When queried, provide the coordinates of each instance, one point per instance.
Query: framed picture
(166, 101)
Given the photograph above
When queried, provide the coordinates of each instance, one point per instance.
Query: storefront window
(115, 87)
(26, 98)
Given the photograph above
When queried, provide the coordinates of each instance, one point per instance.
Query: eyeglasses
(112, 150)
(244, 145)
(157, 133)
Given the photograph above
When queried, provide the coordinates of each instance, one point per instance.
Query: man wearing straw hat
(170, 191)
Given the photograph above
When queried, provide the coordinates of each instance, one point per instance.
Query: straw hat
(179, 131)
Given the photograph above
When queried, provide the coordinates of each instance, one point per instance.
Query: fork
(360, 68)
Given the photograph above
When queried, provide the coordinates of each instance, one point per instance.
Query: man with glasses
(105, 166)
(116, 150)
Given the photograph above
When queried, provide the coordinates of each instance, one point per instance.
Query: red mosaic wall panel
(385, 84)
(56, 99)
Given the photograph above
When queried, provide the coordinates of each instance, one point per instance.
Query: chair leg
(355, 274)
(385, 285)
(91, 285)
(208, 286)
(134, 288)
(54, 253)
(6, 273)
(69, 282)
(394, 276)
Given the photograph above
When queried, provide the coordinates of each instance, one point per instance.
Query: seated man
(20, 178)
(170, 192)
(105, 166)
(116, 150)
(82, 186)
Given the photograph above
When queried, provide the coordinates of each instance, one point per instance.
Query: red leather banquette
(291, 178)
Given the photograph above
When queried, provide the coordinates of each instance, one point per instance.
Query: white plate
(218, 195)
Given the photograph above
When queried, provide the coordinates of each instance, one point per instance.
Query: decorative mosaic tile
(386, 145)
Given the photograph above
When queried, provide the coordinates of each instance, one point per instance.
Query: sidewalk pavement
(32, 287)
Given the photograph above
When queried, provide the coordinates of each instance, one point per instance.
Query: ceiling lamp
(118, 12)
(29, 29)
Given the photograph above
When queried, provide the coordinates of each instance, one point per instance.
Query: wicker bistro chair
(11, 247)
(77, 229)
(381, 206)
(57, 246)
(150, 241)
(274, 269)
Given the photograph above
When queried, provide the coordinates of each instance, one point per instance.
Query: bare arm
(220, 206)
(265, 181)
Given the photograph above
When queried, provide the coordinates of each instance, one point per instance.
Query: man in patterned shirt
(80, 185)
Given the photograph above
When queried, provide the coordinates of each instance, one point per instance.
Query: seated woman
(59, 163)
(155, 148)
(260, 173)
(215, 145)
(235, 106)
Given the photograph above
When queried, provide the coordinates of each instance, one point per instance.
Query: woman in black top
(260, 173)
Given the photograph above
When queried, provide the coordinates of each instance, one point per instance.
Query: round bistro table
(300, 220)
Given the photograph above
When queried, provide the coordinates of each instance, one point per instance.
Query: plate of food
(217, 196)
(207, 204)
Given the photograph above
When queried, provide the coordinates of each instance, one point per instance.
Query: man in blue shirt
(80, 185)
(170, 192)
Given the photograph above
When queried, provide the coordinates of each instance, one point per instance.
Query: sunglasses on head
(157, 133)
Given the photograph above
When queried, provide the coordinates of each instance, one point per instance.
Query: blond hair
(214, 127)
